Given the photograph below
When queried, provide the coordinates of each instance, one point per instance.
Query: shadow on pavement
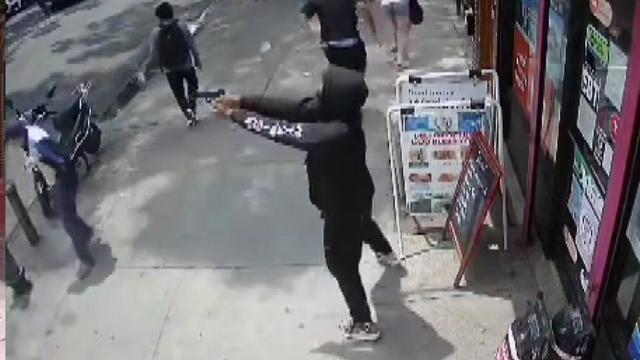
(105, 266)
(405, 335)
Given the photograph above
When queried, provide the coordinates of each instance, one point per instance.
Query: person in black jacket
(339, 35)
(328, 127)
(173, 48)
(41, 148)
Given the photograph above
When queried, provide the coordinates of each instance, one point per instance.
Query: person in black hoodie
(339, 35)
(328, 126)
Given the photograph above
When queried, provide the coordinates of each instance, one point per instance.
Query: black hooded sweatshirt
(329, 127)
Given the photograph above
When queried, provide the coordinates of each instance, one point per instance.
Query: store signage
(602, 10)
(598, 44)
(588, 183)
(585, 205)
(586, 235)
(616, 76)
(524, 71)
(434, 145)
(571, 246)
(553, 87)
(590, 86)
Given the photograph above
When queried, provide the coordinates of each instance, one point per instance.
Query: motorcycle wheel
(42, 193)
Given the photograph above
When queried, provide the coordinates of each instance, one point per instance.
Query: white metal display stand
(435, 94)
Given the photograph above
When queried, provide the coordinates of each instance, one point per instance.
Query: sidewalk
(97, 40)
(210, 249)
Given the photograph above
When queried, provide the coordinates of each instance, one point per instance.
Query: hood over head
(343, 93)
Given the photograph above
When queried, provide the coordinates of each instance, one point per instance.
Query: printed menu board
(434, 145)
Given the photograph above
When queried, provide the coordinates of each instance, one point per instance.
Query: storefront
(567, 68)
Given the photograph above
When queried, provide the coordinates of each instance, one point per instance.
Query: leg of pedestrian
(192, 89)
(77, 229)
(176, 83)
(366, 10)
(343, 250)
(403, 28)
(389, 11)
(15, 276)
(374, 237)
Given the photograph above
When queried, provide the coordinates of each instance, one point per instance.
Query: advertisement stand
(429, 130)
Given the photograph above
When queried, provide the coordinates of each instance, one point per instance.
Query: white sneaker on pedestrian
(390, 259)
(359, 331)
(191, 118)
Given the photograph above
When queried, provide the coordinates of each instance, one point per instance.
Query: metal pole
(534, 146)
(22, 214)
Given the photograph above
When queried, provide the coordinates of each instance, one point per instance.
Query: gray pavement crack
(166, 317)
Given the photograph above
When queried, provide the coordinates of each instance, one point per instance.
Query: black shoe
(22, 286)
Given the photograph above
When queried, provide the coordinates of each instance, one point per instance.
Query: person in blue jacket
(40, 147)
(328, 126)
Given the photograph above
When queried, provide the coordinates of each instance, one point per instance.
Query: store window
(603, 82)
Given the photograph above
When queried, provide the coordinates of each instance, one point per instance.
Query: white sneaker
(359, 331)
(389, 259)
(191, 118)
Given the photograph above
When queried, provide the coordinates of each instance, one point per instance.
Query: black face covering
(343, 94)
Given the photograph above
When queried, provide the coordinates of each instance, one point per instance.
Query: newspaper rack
(442, 105)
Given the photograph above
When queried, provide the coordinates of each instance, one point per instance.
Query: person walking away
(339, 35)
(173, 50)
(328, 126)
(40, 147)
(398, 13)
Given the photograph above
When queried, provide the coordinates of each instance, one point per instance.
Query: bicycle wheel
(42, 193)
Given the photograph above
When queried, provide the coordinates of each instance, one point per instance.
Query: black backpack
(173, 51)
(416, 14)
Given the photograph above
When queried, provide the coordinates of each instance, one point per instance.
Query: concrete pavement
(210, 249)
(96, 40)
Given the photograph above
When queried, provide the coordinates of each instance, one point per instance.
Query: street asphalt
(209, 247)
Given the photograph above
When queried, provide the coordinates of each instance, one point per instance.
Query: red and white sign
(524, 70)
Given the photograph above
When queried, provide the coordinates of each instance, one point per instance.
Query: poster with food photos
(434, 144)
